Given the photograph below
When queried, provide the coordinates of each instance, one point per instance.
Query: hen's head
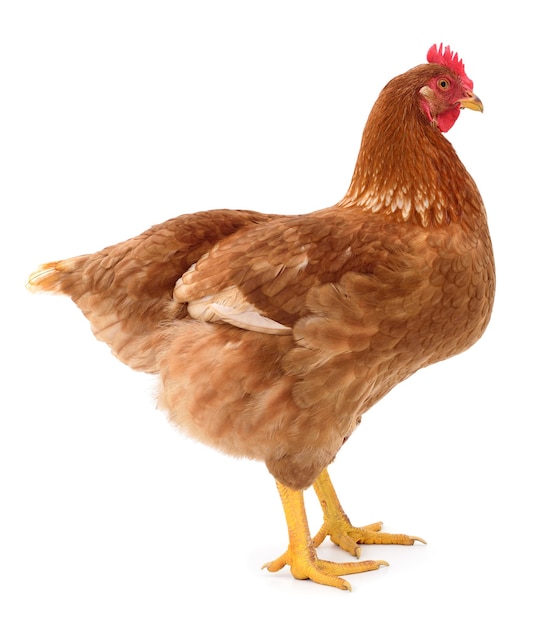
(449, 90)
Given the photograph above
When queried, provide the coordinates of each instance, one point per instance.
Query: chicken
(272, 335)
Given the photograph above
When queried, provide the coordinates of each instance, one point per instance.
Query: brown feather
(397, 276)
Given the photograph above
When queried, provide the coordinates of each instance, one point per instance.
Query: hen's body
(272, 335)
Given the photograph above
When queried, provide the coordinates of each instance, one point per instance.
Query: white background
(118, 115)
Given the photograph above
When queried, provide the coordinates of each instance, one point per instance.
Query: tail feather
(126, 290)
(130, 326)
(55, 277)
(45, 278)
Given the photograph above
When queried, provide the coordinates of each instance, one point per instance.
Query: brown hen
(272, 335)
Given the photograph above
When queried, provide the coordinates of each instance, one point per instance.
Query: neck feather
(406, 168)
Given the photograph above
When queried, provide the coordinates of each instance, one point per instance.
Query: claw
(418, 539)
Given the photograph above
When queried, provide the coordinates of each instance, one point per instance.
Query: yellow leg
(337, 525)
(301, 554)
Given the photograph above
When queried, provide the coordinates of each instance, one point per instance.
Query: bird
(272, 335)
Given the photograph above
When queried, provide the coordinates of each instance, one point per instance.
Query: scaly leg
(337, 525)
(301, 554)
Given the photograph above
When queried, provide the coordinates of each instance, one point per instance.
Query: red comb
(447, 58)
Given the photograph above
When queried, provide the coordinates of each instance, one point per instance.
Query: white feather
(231, 307)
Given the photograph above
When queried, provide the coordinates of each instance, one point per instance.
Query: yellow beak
(471, 102)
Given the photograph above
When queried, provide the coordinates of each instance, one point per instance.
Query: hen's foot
(307, 565)
(350, 537)
(337, 525)
(301, 554)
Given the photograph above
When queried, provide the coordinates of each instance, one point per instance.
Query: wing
(263, 277)
(345, 284)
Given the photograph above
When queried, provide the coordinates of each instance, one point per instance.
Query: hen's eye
(444, 84)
